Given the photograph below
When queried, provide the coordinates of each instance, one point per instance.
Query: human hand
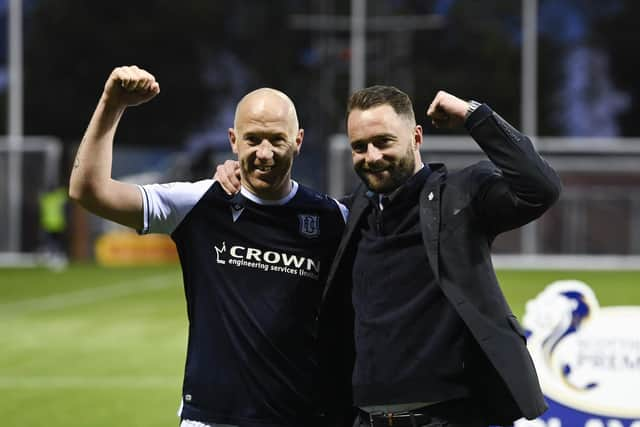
(447, 111)
(228, 175)
(130, 86)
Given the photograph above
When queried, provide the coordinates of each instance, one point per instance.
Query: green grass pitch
(97, 347)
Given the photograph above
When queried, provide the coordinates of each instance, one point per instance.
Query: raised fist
(130, 86)
(447, 111)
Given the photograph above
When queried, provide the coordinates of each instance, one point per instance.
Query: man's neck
(261, 200)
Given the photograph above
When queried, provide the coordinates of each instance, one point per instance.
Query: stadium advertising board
(126, 248)
(587, 358)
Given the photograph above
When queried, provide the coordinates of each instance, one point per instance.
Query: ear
(299, 138)
(417, 137)
(232, 140)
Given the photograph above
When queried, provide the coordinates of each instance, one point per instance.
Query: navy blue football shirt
(253, 275)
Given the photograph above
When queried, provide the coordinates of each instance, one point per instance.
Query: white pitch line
(87, 382)
(87, 296)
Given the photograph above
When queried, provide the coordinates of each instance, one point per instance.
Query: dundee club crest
(309, 225)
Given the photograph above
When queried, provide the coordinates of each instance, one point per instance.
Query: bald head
(268, 104)
(266, 137)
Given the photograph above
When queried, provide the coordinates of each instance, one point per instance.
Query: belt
(395, 419)
(455, 410)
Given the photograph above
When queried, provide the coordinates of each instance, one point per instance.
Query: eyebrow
(263, 134)
(374, 138)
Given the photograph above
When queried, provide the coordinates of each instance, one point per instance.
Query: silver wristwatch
(473, 105)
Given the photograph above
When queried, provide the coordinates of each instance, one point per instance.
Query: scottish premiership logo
(309, 225)
(587, 358)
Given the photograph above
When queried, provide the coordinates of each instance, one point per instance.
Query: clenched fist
(130, 86)
(447, 111)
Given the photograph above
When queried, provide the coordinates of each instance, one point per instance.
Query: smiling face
(266, 138)
(384, 147)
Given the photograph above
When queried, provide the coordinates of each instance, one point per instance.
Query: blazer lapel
(430, 219)
(358, 207)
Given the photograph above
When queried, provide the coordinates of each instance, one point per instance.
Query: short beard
(399, 174)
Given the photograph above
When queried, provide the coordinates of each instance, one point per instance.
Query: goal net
(27, 170)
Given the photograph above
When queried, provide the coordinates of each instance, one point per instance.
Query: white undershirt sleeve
(166, 205)
(343, 210)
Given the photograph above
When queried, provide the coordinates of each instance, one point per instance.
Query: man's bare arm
(91, 184)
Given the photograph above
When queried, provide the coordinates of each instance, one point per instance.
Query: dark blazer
(460, 215)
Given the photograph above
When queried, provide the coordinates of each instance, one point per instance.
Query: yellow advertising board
(123, 248)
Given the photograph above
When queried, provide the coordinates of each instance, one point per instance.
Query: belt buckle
(388, 415)
(390, 419)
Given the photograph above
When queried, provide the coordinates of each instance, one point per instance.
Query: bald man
(254, 264)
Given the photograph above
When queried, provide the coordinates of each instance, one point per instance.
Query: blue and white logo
(309, 225)
(587, 358)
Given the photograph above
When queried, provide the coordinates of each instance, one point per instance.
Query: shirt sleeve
(166, 205)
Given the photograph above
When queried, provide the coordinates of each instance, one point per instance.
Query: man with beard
(436, 343)
(254, 265)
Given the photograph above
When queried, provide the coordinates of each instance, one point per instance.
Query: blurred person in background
(254, 265)
(433, 340)
(53, 222)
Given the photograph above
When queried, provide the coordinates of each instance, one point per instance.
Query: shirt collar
(260, 201)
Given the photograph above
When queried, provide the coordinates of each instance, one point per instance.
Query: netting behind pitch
(25, 173)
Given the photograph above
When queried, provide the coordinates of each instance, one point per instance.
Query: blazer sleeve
(520, 185)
